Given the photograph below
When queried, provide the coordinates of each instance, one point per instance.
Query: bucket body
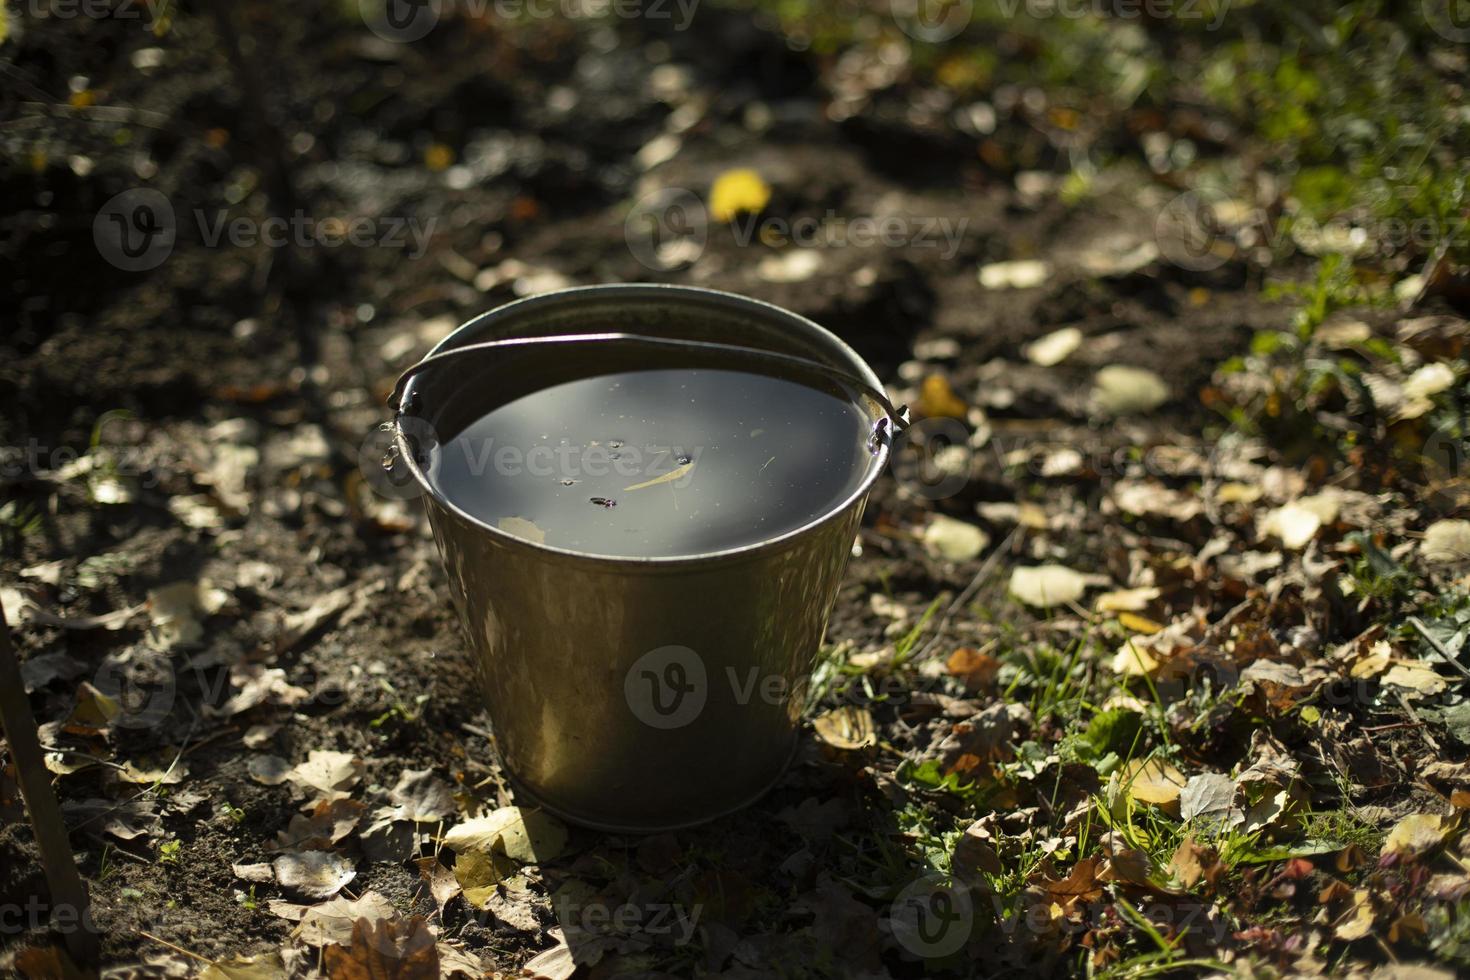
(639, 694)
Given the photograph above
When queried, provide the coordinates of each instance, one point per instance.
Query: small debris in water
(604, 501)
(684, 459)
(569, 483)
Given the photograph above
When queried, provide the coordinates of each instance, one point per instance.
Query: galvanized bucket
(637, 694)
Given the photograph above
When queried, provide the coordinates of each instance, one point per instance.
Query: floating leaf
(522, 528)
(677, 473)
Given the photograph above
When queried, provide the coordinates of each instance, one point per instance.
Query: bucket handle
(897, 417)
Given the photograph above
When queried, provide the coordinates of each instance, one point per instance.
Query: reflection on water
(657, 463)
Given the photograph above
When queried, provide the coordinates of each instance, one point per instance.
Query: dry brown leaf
(975, 668)
(379, 950)
(327, 774)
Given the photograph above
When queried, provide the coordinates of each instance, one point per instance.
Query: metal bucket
(637, 694)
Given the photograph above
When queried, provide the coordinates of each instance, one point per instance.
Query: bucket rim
(631, 291)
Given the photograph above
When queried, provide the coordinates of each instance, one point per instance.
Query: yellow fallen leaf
(1415, 835)
(1139, 624)
(674, 474)
(848, 728)
(1127, 600)
(1134, 660)
(1356, 922)
(1154, 781)
(735, 192)
(938, 400)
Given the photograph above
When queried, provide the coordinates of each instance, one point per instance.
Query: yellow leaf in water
(735, 192)
(674, 474)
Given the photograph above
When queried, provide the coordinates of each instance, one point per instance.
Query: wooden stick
(67, 888)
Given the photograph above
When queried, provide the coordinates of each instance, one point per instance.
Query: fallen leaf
(736, 192)
(1446, 542)
(1414, 676)
(1416, 835)
(1206, 794)
(938, 400)
(265, 966)
(333, 921)
(314, 874)
(258, 873)
(1119, 389)
(1154, 781)
(1127, 600)
(976, 668)
(556, 963)
(1054, 348)
(1044, 586)
(268, 770)
(379, 950)
(327, 774)
(793, 265)
(1357, 922)
(1020, 274)
(848, 728)
(443, 884)
(976, 851)
(953, 540)
(423, 797)
(527, 836)
(323, 825)
(479, 872)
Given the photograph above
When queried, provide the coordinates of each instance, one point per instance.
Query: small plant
(171, 852)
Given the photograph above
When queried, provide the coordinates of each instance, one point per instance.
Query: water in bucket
(658, 463)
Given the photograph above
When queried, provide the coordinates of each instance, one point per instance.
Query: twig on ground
(57, 859)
